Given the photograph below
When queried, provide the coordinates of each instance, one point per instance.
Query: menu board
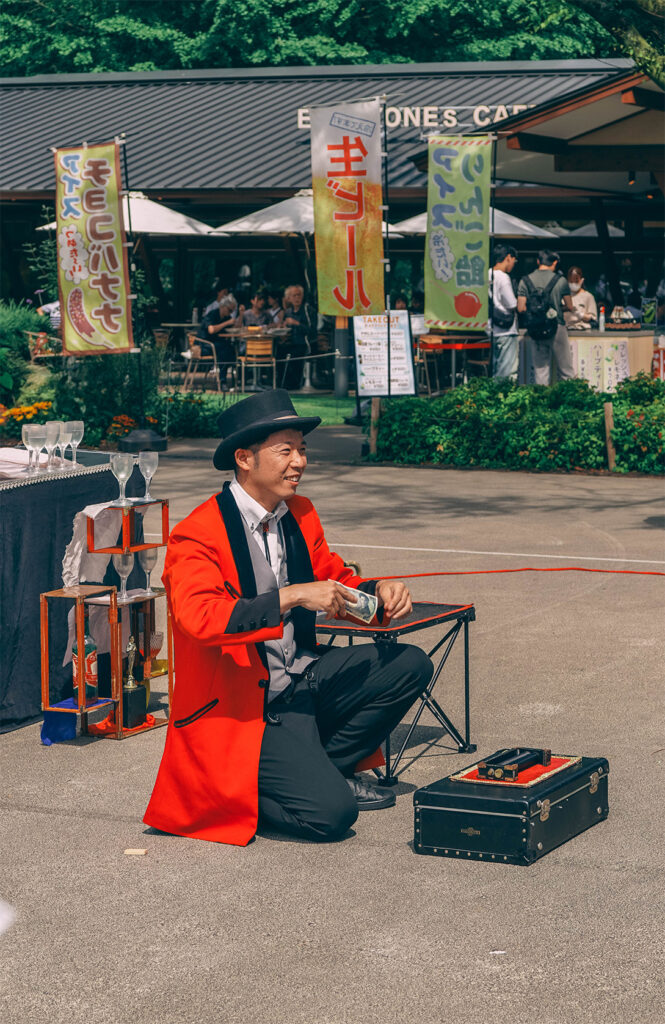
(371, 338)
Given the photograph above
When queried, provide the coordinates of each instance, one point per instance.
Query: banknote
(363, 607)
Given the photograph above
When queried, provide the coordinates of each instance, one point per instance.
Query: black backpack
(541, 318)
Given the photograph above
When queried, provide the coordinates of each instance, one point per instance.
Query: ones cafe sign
(483, 115)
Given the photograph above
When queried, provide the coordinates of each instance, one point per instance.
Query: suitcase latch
(594, 782)
(544, 809)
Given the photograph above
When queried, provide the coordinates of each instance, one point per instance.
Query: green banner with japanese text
(457, 242)
(93, 281)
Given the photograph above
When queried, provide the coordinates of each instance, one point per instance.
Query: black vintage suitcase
(514, 822)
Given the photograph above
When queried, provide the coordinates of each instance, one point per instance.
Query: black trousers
(335, 715)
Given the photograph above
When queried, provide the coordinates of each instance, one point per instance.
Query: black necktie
(265, 526)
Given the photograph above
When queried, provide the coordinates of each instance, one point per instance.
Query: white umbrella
(294, 216)
(149, 218)
(504, 224)
(591, 231)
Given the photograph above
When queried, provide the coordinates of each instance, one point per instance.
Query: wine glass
(64, 439)
(76, 427)
(52, 434)
(123, 563)
(38, 437)
(26, 437)
(147, 561)
(148, 465)
(122, 464)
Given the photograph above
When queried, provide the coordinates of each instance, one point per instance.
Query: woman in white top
(585, 311)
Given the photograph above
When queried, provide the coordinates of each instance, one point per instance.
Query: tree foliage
(65, 36)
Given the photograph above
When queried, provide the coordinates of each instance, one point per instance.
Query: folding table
(424, 615)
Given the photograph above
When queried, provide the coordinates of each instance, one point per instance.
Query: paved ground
(364, 930)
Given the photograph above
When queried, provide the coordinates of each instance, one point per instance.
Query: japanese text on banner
(92, 262)
(457, 244)
(346, 183)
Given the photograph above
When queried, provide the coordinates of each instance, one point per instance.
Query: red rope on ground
(558, 568)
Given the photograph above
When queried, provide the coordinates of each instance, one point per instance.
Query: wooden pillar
(608, 252)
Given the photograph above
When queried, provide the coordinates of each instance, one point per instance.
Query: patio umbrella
(504, 224)
(150, 218)
(294, 216)
(591, 231)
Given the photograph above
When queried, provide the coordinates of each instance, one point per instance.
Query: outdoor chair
(42, 345)
(202, 355)
(426, 352)
(259, 355)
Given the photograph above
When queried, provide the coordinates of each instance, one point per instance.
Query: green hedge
(15, 318)
(496, 424)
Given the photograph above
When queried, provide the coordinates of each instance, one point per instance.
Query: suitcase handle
(507, 764)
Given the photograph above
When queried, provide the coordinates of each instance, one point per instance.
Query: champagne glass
(26, 437)
(76, 427)
(38, 436)
(64, 439)
(122, 464)
(52, 435)
(123, 563)
(148, 561)
(148, 465)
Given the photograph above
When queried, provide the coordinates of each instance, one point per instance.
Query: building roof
(238, 129)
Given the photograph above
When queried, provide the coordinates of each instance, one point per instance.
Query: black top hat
(253, 419)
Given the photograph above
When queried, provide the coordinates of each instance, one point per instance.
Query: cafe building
(578, 151)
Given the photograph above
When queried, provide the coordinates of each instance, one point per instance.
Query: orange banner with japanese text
(346, 182)
(93, 280)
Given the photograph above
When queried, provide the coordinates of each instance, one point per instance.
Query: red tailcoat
(207, 784)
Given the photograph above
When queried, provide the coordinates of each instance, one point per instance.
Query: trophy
(133, 694)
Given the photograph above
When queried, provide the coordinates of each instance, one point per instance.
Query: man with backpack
(542, 296)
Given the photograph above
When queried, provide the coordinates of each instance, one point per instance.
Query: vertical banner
(92, 260)
(457, 243)
(346, 182)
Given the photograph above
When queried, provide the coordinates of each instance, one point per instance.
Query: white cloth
(255, 515)
(14, 462)
(80, 565)
(503, 299)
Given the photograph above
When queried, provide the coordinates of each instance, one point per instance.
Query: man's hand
(394, 597)
(325, 597)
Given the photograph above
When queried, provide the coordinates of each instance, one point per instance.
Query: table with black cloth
(36, 523)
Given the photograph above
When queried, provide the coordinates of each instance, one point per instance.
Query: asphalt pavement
(364, 930)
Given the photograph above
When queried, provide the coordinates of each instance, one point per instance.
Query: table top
(423, 615)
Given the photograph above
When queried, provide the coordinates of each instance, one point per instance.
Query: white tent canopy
(591, 231)
(294, 216)
(504, 225)
(150, 218)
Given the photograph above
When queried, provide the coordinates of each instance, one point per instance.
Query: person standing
(503, 323)
(585, 310)
(301, 319)
(542, 296)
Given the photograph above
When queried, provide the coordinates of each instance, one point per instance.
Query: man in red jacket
(265, 723)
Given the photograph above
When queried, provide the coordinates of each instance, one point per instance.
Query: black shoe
(369, 798)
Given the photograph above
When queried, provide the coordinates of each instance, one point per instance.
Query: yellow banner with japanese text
(457, 244)
(92, 259)
(346, 183)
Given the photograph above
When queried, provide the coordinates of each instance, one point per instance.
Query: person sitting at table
(274, 305)
(399, 301)
(301, 319)
(585, 311)
(211, 329)
(220, 294)
(257, 315)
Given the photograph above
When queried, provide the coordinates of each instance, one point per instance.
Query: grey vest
(285, 659)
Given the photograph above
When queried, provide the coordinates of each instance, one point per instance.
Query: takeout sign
(439, 117)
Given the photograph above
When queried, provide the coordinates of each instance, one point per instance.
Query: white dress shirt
(257, 517)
